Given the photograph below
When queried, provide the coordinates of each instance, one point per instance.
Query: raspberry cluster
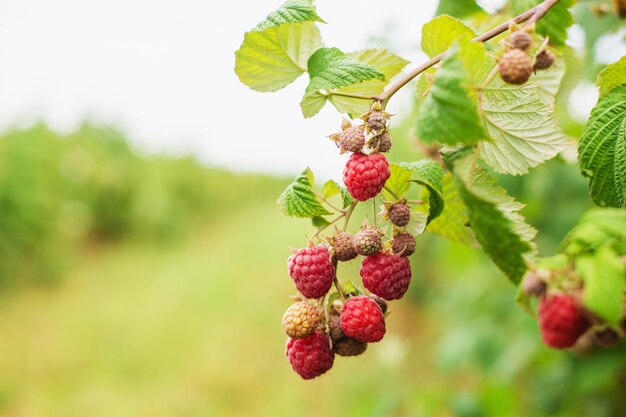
(516, 65)
(324, 322)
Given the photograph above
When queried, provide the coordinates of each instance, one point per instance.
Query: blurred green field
(188, 324)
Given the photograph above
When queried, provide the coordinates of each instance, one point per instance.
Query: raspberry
(300, 320)
(368, 242)
(544, 60)
(520, 40)
(388, 276)
(352, 139)
(377, 121)
(399, 214)
(403, 244)
(363, 320)
(381, 143)
(561, 321)
(380, 301)
(310, 356)
(515, 67)
(312, 271)
(365, 175)
(334, 326)
(343, 247)
(348, 346)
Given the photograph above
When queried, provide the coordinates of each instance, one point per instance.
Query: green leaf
(597, 227)
(270, 59)
(398, 182)
(439, 34)
(319, 221)
(453, 222)
(457, 8)
(429, 174)
(331, 188)
(291, 11)
(555, 23)
(612, 76)
(523, 129)
(548, 82)
(602, 150)
(603, 275)
(384, 61)
(330, 69)
(299, 200)
(449, 115)
(476, 61)
(494, 217)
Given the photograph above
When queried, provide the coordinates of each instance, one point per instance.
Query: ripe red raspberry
(343, 247)
(544, 60)
(381, 143)
(399, 214)
(365, 175)
(312, 271)
(363, 320)
(388, 276)
(403, 244)
(520, 40)
(515, 67)
(310, 356)
(561, 321)
(368, 242)
(377, 121)
(301, 319)
(347, 346)
(352, 139)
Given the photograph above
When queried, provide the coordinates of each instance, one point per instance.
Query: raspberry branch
(531, 16)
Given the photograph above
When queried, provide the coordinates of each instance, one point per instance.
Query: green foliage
(299, 200)
(276, 51)
(330, 69)
(59, 192)
(523, 128)
(555, 23)
(453, 223)
(457, 8)
(441, 32)
(292, 11)
(602, 150)
(384, 61)
(449, 115)
(603, 273)
(493, 216)
(273, 58)
(331, 188)
(430, 175)
(596, 228)
(612, 76)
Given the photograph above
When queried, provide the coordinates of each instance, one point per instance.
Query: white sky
(162, 70)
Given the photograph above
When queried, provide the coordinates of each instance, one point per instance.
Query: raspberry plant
(485, 103)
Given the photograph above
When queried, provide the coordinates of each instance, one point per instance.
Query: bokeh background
(142, 256)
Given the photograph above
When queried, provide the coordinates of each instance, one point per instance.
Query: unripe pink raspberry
(368, 242)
